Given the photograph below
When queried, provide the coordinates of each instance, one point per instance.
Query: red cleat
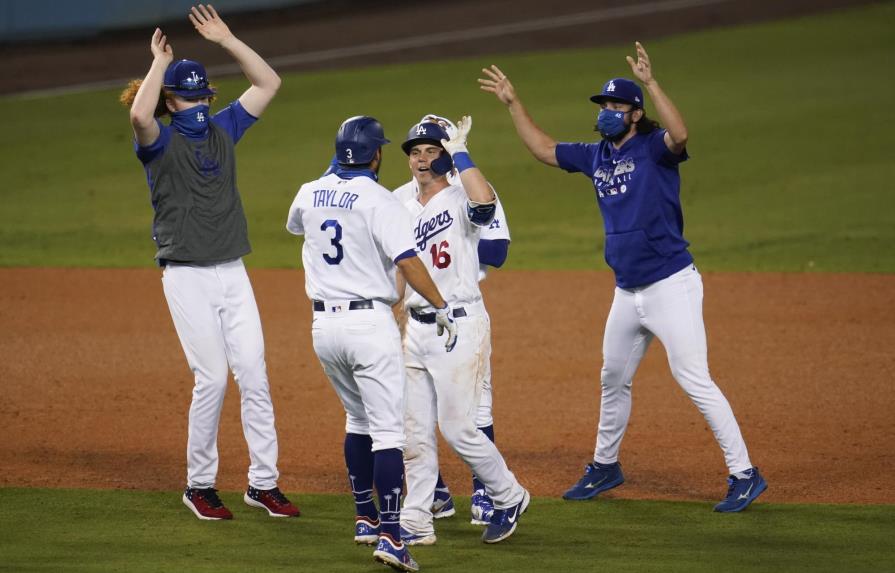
(272, 500)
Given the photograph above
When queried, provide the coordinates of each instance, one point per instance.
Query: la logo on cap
(421, 130)
(611, 86)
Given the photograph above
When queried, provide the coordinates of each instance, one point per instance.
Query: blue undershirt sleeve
(148, 153)
(660, 152)
(493, 252)
(235, 120)
(405, 255)
(574, 157)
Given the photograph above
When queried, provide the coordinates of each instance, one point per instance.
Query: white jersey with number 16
(447, 242)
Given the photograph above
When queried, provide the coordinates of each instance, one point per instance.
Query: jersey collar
(344, 173)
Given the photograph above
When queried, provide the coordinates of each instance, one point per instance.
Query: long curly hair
(130, 92)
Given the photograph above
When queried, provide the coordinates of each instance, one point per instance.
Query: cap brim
(192, 94)
(408, 145)
(601, 99)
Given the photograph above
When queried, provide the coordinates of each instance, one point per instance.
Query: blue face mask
(191, 122)
(611, 124)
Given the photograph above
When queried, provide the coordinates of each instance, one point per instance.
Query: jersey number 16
(441, 259)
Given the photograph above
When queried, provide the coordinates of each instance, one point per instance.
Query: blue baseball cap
(424, 132)
(187, 79)
(620, 89)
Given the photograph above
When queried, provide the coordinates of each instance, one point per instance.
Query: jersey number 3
(340, 252)
(441, 259)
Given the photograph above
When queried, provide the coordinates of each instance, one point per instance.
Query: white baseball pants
(447, 387)
(217, 321)
(360, 351)
(670, 309)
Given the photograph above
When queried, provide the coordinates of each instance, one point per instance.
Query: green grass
(791, 163)
(85, 530)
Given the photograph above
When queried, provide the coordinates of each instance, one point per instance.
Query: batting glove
(445, 320)
(457, 136)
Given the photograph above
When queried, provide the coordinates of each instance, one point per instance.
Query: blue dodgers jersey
(638, 191)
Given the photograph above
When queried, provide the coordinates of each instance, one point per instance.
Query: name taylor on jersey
(327, 198)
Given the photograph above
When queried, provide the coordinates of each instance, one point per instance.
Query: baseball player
(634, 171)
(494, 242)
(200, 230)
(356, 235)
(447, 223)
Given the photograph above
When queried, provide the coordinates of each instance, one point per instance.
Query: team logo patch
(421, 130)
(428, 228)
(613, 180)
(611, 86)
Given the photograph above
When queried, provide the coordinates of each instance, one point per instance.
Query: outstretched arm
(675, 129)
(142, 113)
(541, 145)
(265, 81)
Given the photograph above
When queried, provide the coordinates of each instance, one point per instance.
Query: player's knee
(612, 375)
(211, 378)
(459, 434)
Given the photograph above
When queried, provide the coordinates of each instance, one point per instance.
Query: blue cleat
(411, 538)
(504, 521)
(394, 554)
(442, 504)
(366, 530)
(481, 508)
(742, 491)
(596, 478)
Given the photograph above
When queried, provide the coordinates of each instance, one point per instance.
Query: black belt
(320, 306)
(429, 317)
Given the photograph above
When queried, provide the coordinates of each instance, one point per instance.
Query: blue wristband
(462, 161)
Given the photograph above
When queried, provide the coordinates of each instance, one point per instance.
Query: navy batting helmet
(187, 79)
(358, 139)
(424, 132)
(620, 89)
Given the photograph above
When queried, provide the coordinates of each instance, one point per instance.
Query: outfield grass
(83, 530)
(791, 163)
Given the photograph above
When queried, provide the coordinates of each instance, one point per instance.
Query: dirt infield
(97, 388)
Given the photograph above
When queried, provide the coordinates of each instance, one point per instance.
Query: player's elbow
(546, 153)
(679, 137)
(275, 82)
(141, 120)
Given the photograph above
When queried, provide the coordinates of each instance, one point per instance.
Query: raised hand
(457, 135)
(498, 84)
(160, 48)
(641, 68)
(207, 22)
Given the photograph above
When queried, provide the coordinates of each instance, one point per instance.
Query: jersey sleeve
(498, 228)
(148, 153)
(575, 157)
(293, 221)
(660, 152)
(392, 226)
(235, 120)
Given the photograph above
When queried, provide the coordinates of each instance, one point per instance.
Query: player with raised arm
(447, 220)
(493, 246)
(201, 233)
(357, 235)
(634, 171)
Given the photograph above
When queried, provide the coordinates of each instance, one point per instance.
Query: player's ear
(637, 115)
(169, 103)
